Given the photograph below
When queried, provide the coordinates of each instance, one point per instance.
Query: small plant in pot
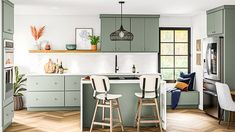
(19, 86)
(94, 41)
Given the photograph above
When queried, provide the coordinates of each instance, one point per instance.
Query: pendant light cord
(121, 14)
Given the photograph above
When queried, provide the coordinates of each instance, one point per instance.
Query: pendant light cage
(121, 34)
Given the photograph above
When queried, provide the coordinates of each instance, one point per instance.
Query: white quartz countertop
(86, 74)
(114, 81)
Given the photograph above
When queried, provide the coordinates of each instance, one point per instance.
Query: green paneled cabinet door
(151, 30)
(8, 17)
(123, 45)
(107, 27)
(215, 22)
(137, 28)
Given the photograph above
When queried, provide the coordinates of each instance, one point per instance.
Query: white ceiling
(95, 7)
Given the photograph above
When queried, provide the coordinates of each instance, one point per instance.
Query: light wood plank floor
(182, 120)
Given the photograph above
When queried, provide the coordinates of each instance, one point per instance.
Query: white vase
(37, 45)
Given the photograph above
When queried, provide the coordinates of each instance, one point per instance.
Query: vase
(37, 45)
(93, 47)
(18, 103)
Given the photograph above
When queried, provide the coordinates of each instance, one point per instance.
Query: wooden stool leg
(139, 115)
(159, 118)
(103, 112)
(229, 118)
(155, 113)
(119, 115)
(93, 119)
(111, 115)
(136, 114)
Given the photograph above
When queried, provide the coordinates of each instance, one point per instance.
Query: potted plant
(94, 41)
(19, 86)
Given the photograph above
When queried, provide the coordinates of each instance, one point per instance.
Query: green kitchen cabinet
(145, 29)
(8, 17)
(107, 27)
(72, 98)
(151, 34)
(215, 22)
(122, 46)
(137, 28)
(72, 82)
(8, 114)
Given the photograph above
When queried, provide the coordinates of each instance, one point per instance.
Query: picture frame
(198, 45)
(81, 38)
(198, 59)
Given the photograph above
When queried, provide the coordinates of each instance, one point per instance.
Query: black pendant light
(121, 34)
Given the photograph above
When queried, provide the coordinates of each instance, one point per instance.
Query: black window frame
(189, 49)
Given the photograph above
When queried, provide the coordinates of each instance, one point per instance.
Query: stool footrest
(101, 123)
(149, 121)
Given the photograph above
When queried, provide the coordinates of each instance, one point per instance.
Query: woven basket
(18, 103)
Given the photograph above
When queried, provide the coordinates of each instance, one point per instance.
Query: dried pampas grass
(37, 33)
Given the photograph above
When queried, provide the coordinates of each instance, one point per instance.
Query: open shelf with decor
(63, 51)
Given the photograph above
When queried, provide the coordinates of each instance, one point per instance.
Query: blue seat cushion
(191, 76)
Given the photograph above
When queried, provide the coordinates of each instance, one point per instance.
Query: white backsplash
(88, 63)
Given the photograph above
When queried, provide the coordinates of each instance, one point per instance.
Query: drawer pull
(75, 83)
(7, 115)
(36, 99)
(75, 98)
(55, 83)
(36, 83)
(55, 99)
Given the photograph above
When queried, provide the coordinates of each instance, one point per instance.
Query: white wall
(199, 32)
(60, 30)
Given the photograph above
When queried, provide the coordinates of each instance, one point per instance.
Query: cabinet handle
(55, 83)
(36, 83)
(7, 115)
(75, 98)
(36, 99)
(9, 29)
(55, 99)
(75, 83)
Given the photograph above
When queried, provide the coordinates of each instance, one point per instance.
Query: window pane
(167, 35)
(167, 74)
(167, 61)
(181, 49)
(181, 61)
(177, 72)
(167, 49)
(181, 36)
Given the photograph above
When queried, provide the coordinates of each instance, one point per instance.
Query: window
(174, 52)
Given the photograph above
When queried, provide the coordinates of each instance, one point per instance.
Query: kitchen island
(127, 87)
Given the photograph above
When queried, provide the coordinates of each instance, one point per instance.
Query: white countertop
(114, 81)
(86, 74)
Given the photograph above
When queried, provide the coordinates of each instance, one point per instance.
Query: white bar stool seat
(101, 86)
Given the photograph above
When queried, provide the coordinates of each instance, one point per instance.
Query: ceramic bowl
(71, 46)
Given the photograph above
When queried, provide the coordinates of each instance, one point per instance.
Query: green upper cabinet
(215, 22)
(151, 35)
(137, 28)
(123, 45)
(145, 29)
(107, 27)
(8, 17)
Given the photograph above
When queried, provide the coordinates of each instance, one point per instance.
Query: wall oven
(8, 69)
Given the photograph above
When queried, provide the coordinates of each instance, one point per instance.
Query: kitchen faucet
(116, 65)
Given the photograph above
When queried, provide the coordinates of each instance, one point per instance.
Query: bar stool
(149, 85)
(101, 86)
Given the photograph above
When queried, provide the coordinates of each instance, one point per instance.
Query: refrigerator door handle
(207, 59)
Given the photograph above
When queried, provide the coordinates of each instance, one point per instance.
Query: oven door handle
(210, 93)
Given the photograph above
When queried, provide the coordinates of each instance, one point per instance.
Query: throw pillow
(182, 86)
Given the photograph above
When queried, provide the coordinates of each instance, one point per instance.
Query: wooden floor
(183, 120)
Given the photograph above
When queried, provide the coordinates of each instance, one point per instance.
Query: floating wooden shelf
(63, 51)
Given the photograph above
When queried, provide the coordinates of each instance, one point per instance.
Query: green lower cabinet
(8, 114)
(72, 82)
(45, 99)
(72, 98)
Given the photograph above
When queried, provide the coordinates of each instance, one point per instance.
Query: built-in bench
(188, 99)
